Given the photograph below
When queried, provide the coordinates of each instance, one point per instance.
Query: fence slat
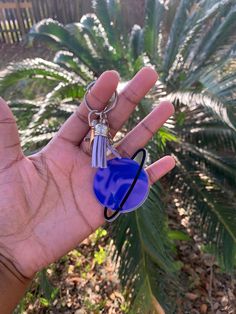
(20, 18)
(36, 10)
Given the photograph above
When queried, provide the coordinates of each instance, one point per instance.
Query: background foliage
(193, 49)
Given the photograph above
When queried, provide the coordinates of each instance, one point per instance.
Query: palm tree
(195, 56)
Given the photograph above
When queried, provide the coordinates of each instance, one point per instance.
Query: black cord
(118, 211)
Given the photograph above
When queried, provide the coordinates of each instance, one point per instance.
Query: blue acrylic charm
(122, 186)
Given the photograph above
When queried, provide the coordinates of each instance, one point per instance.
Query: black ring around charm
(118, 211)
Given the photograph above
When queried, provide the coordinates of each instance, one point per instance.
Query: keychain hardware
(100, 139)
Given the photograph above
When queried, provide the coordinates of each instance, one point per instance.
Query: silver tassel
(100, 146)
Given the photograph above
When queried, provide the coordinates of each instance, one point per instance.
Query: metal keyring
(108, 108)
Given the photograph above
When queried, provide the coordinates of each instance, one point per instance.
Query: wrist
(12, 285)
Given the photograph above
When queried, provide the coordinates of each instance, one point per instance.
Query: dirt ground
(16, 52)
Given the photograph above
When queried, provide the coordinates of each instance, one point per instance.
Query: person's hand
(47, 204)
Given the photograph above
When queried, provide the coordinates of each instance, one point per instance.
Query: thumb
(10, 150)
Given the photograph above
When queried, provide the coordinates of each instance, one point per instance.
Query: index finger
(76, 127)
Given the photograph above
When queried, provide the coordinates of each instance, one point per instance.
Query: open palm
(47, 204)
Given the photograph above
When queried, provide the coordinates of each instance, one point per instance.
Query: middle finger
(130, 96)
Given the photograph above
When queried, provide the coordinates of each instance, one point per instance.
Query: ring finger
(144, 131)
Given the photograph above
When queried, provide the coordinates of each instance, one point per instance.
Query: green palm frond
(66, 39)
(34, 143)
(92, 27)
(215, 45)
(116, 16)
(222, 29)
(212, 135)
(70, 62)
(103, 11)
(142, 250)
(46, 119)
(216, 209)
(23, 111)
(136, 57)
(66, 92)
(24, 103)
(221, 83)
(213, 205)
(153, 19)
(136, 42)
(195, 30)
(175, 35)
(31, 69)
(217, 107)
(206, 172)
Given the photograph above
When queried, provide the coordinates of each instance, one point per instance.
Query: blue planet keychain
(121, 185)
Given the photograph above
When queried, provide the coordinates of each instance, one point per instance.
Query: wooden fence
(17, 16)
